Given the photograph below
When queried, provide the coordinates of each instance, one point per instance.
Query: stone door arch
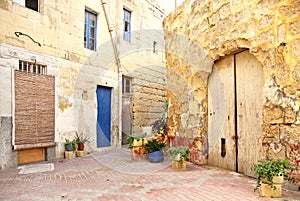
(235, 98)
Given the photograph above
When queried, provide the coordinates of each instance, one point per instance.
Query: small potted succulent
(80, 140)
(270, 175)
(154, 148)
(179, 156)
(70, 145)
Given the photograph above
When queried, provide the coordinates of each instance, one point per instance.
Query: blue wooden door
(103, 116)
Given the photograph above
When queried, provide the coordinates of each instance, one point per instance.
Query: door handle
(235, 137)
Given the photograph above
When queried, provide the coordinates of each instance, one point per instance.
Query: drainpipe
(118, 63)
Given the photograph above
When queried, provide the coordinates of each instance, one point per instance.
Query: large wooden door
(221, 112)
(234, 112)
(104, 116)
(249, 100)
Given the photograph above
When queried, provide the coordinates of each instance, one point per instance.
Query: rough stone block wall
(200, 32)
(149, 94)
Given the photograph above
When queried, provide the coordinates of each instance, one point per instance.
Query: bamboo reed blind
(34, 110)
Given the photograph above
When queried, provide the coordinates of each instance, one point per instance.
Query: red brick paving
(85, 178)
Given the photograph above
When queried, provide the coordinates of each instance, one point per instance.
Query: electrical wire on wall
(18, 34)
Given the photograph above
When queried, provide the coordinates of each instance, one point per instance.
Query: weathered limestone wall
(59, 28)
(199, 32)
(8, 157)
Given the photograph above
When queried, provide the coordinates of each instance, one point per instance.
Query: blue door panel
(103, 116)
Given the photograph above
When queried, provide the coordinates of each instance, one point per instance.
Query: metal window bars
(31, 67)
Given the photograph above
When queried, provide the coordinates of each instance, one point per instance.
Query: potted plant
(154, 148)
(80, 140)
(135, 141)
(270, 175)
(179, 156)
(69, 145)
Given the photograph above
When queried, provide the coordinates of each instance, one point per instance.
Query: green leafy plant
(70, 145)
(81, 139)
(154, 145)
(182, 151)
(181, 154)
(131, 139)
(266, 170)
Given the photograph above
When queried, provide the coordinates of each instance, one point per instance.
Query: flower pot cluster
(270, 175)
(150, 148)
(75, 147)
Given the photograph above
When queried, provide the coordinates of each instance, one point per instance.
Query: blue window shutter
(88, 34)
(126, 25)
(129, 27)
(88, 31)
(124, 21)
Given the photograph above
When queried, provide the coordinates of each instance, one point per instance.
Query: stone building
(233, 80)
(93, 67)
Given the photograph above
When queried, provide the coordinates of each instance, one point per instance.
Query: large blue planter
(156, 157)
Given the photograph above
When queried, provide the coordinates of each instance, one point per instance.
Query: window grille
(31, 67)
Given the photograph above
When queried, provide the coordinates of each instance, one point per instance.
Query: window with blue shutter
(90, 26)
(127, 25)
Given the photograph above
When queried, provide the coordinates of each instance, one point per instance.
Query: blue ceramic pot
(69, 147)
(156, 156)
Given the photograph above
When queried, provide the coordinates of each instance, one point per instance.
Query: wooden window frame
(126, 85)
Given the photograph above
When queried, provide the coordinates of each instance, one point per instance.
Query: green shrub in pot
(265, 171)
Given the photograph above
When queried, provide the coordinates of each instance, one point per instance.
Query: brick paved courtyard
(112, 175)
